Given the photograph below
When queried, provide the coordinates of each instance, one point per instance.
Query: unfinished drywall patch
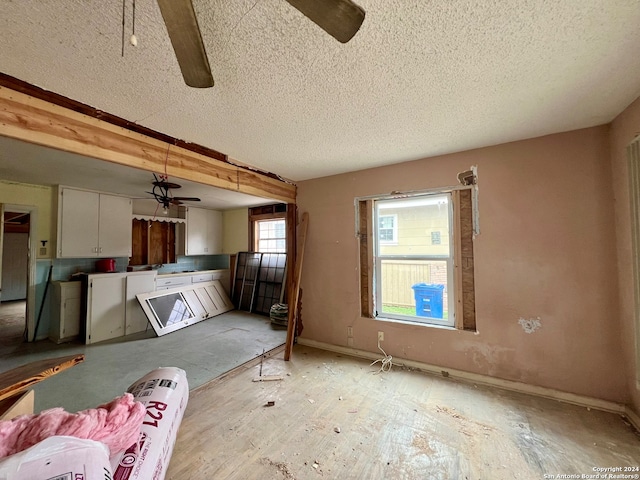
(530, 325)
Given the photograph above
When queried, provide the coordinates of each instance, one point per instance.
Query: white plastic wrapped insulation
(164, 392)
(59, 457)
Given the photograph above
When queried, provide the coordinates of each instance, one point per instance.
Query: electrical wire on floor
(385, 362)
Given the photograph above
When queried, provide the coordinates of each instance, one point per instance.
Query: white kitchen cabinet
(203, 232)
(65, 312)
(171, 281)
(138, 282)
(112, 308)
(106, 306)
(93, 225)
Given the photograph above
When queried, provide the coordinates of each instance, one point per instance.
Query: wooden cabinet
(65, 314)
(138, 282)
(93, 225)
(171, 281)
(174, 280)
(203, 232)
(112, 308)
(106, 306)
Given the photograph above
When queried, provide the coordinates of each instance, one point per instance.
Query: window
(418, 266)
(271, 236)
(388, 228)
(268, 228)
(413, 277)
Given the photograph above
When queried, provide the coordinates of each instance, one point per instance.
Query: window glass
(271, 236)
(413, 267)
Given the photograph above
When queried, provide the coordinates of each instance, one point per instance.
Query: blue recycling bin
(428, 299)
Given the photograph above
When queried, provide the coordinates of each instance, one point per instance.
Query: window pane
(272, 236)
(415, 220)
(414, 263)
(414, 288)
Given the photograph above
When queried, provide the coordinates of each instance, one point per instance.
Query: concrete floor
(205, 351)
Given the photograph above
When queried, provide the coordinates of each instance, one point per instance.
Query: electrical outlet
(381, 336)
(349, 341)
(349, 331)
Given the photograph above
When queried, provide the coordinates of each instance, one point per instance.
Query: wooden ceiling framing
(39, 121)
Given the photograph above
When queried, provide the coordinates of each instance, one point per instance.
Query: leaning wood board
(20, 378)
(294, 294)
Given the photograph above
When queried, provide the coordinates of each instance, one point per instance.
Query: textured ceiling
(420, 78)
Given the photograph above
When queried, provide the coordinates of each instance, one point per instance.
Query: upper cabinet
(93, 225)
(203, 232)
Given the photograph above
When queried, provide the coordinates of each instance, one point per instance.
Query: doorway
(17, 273)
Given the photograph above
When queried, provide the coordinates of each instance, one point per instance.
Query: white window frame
(378, 258)
(258, 238)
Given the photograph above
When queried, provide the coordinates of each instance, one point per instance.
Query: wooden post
(294, 291)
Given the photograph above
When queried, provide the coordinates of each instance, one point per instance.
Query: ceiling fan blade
(182, 26)
(339, 18)
(187, 199)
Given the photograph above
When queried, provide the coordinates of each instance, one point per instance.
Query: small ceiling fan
(339, 18)
(161, 192)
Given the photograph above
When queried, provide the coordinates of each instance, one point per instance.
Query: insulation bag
(59, 457)
(165, 393)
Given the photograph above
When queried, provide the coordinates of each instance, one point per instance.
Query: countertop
(191, 272)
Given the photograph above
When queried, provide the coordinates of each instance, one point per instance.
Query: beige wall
(236, 230)
(547, 250)
(33, 195)
(623, 130)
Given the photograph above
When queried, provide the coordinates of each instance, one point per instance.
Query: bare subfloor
(335, 418)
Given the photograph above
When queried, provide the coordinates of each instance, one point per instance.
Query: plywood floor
(397, 425)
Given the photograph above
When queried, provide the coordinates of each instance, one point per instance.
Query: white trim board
(572, 398)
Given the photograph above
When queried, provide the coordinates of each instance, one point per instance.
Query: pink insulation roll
(165, 393)
(59, 457)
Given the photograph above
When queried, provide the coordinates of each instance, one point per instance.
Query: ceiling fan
(161, 192)
(339, 18)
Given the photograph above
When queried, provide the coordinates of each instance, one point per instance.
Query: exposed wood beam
(38, 121)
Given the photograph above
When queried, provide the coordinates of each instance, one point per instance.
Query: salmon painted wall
(547, 250)
(623, 130)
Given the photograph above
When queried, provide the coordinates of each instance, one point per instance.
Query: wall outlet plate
(380, 336)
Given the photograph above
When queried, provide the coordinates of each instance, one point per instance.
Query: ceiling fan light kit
(339, 18)
(161, 192)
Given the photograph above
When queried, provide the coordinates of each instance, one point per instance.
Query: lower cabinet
(65, 312)
(112, 308)
(135, 319)
(106, 295)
